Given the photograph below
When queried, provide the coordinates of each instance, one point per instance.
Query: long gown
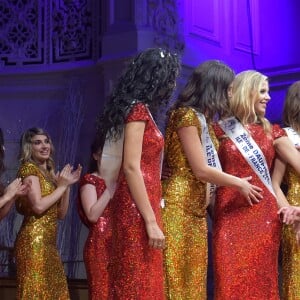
(246, 239)
(97, 247)
(40, 273)
(290, 248)
(137, 269)
(184, 216)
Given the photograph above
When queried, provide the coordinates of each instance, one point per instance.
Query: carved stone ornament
(38, 33)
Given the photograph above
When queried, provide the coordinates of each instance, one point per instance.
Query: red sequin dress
(98, 244)
(137, 269)
(246, 239)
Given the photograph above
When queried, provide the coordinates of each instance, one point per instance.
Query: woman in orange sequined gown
(246, 238)
(185, 201)
(40, 273)
(136, 268)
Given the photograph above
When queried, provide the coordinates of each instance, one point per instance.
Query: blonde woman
(40, 273)
(246, 238)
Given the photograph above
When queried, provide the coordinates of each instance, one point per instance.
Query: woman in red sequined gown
(94, 212)
(246, 238)
(136, 266)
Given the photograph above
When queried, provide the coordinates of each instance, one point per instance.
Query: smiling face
(40, 148)
(261, 99)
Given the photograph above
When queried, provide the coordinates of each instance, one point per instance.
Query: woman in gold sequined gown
(184, 192)
(40, 273)
(285, 172)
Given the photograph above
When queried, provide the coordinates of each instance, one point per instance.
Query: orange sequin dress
(290, 248)
(184, 216)
(98, 244)
(40, 273)
(137, 269)
(246, 239)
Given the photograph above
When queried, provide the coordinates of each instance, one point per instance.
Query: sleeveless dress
(98, 244)
(184, 216)
(246, 239)
(40, 273)
(137, 269)
(290, 248)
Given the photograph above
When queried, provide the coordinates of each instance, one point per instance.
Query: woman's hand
(68, 176)
(289, 214)
(250, 191)
(16, 188)
(155, 235)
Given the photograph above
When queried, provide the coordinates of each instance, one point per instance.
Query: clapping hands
(68, 176)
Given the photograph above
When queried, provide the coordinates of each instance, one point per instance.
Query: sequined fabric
(137, 269)
(246, 239)
(184, 217)
(40, 273)
(98, 244)
(290, 248)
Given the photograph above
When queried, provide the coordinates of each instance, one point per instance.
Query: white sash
(293, 135)
(211, 157)
(249, 149)
(111, 160)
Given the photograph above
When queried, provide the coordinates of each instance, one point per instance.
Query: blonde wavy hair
(26, 148)
(245, 91)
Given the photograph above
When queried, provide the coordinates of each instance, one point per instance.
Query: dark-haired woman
(40, 273)
(285, 172)
(138, 240)
(94, 196)
(9, 193)
(190, 154)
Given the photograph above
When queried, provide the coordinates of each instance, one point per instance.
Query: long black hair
(207, 89)
(150, 78)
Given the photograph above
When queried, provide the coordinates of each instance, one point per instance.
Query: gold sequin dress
(184, 217)
(290, 249)
(40, 274)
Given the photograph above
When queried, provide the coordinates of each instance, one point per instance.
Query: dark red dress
(137, 269)
(98, 244)
(246, 239)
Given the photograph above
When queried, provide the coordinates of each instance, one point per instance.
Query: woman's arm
(15, 188)
(288, 152)
(93, 207)
(277, 176)
(6, 208)
(63, 204)
(193, 150)
(40, 204)
(133, 140)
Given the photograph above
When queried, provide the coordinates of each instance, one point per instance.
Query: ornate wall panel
(246, 25)
(50, 32)
(203, 20)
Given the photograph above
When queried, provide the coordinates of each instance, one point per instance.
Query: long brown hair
(291, 109)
